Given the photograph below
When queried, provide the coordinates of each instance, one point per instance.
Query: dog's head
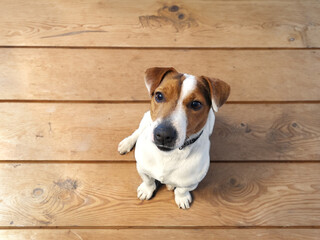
(180, 104)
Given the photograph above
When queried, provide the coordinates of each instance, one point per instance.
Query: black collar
(190, 141)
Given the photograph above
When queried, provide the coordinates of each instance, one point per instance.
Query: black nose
(165, 136)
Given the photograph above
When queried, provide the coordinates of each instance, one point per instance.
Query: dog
(172, 141)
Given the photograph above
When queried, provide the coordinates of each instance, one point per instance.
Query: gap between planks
(167, 48)
(159, 227)
(145, 101)
(133, 162)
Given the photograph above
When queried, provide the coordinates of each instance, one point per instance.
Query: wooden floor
(71, 87)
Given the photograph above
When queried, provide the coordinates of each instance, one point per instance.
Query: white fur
(214, 105)
(188, 85)
(148, 86)
(179, 169)
(179, 121)
(178, 117)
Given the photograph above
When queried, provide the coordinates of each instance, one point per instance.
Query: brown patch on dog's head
(219, 91)
(169, 87)
(154, 76)
(197, 119)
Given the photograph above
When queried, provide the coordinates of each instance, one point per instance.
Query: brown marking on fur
(197, 119)
(204, 88)
(154, 76)
(170, 87)
(220, 90)
(180, 76)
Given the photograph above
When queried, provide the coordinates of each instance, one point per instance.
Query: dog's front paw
(183, 200)
(126, 145)
(145, 191)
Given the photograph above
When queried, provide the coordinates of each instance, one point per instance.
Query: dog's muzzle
(165, 136)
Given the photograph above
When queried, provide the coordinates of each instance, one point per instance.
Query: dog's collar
(190, 141)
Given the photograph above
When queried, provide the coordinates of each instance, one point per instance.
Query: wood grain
(95, 52)
(188, 234)
(232, 194)
(117, 74)
(251, 23)
(267, 132)
(48, 131)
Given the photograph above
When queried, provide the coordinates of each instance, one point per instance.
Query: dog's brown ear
(154, 76)
(219, 90)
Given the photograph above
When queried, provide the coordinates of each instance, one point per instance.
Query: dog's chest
(163, 167)
(177, 168)
(162, 171)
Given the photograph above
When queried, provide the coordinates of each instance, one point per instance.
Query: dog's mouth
(164, 148)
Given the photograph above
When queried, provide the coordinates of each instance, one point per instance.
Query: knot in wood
(174, 8)
(68, 184)
(181, 16)
(37, 192)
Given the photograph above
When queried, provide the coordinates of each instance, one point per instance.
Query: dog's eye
(196, 105)
(159, 97)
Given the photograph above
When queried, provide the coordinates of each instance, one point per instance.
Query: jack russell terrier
(172, 141)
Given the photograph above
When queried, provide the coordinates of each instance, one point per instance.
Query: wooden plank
(51, 131)
(187, 234)
(232, 194)
(251, 23)
(117, 74)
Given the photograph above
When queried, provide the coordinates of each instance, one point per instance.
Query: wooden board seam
(163, 48)
(160, 227)
(145, 101)
(18, 162)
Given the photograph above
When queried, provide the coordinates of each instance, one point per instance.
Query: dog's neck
(190, 141)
